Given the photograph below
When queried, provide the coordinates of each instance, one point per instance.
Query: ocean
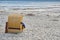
(34, 4)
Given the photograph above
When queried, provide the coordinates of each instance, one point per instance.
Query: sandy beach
(41, 23)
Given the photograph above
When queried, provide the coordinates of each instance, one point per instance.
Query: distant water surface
(27, 3)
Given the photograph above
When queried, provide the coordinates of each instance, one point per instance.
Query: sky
(29, 0)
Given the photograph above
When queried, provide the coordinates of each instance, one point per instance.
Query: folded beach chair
(14, 24)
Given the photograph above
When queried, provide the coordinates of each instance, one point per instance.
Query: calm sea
(27, 3)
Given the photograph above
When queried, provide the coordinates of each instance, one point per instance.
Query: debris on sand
(47, 15)
(30, 14)
(54, 20)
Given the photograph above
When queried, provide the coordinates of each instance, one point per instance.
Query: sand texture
(41, 24)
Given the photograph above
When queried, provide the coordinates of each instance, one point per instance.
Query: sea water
(25, 4)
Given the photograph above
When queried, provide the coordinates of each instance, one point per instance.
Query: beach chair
(14, 24)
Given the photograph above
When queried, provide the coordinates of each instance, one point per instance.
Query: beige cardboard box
(14, 23)
(14, 20)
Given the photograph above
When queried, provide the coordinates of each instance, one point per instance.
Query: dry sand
(40, 25)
